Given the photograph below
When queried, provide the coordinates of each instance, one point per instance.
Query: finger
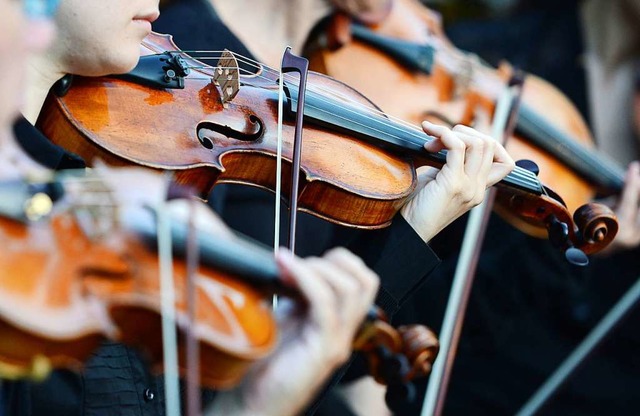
(434, 132)
(500, 155)
(455, 146)
(367, 280)
(345, 288)
(461, 128)
(434, 145)
(478, 155)
(503, 164)
(628, 206)
(426, 174)
(318, 294)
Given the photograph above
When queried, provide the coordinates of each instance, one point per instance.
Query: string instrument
(79, 267)
(84, 277)
(408, 66)
(216, 124)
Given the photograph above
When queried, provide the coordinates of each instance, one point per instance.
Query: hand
(339, 290)
(627, 210)
(475, 161)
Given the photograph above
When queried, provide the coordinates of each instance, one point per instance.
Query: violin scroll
(421, 347)
(396, 356)
(597, 224)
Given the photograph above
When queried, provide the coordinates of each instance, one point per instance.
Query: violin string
(521, 176)
(317, 89)
(257, 65)
(460, 56)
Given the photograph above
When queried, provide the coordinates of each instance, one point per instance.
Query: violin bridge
(465, 74)
(227, 76)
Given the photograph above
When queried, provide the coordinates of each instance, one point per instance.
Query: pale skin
(250, 20)
(627, 209)
(627, 206)
(318, 340)
(15, 43)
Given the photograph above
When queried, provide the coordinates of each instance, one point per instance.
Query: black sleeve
(401, 259)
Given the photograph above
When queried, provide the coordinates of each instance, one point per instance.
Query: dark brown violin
(78, 267)
(414, 72)
(215, 124)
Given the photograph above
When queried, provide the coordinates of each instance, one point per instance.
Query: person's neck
(265, 27)
(41, 75)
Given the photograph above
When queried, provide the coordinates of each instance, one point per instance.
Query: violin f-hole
(205, 129)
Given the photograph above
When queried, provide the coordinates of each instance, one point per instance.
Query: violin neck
(241, 258)
(592, 166)
(414, 56)
(398, 137)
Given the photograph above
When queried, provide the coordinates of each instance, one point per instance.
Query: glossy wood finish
(346, 181)
(62, 291)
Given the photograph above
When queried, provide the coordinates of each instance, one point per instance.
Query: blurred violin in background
(412, 71)
(88, 270)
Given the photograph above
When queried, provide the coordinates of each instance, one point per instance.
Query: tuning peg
(529, 165)
(399, 393)
(559, 237)
(393, 367)
(576, 256)
(558, 233)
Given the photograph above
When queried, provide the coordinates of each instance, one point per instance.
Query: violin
(213, 124)
(424, 76)
(88, 270)
(84, 277)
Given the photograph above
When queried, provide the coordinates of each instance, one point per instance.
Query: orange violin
(79, 266)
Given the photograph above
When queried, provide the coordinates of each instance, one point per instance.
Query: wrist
(422, 226)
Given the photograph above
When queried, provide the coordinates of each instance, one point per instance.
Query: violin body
(90, 272)
(233, 323)
(347, 182)
(45, 319)
(65, 288)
